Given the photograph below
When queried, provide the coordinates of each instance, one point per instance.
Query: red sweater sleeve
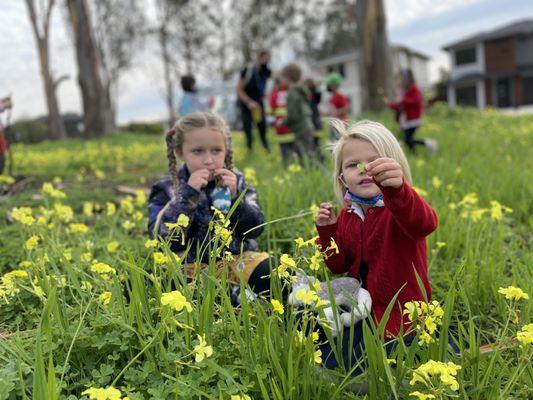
(412, 97)
(335, 262)
(412, 212)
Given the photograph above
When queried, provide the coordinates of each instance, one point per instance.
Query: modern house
(493, 68)
(347, 64)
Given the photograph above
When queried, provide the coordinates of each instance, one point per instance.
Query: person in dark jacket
(202, 190)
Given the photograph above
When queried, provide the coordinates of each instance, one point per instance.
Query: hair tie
(170, 132)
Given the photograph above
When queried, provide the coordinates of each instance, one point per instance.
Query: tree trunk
(169, 87)
(375, 68)
(98, 111)
(56, 126)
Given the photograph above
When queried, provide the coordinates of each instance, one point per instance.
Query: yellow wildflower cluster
(176, 301)
(103, 269)
(78, 228)
(513, 293)
(250, 175)
(525, 335)
(277, 306)
(23, 215)
(108, 393)
(425, 317)
(446, 372)
(8, 283)
(32, 242)
(469, 209)
(105, 298)
(286, 263)
(49, 190)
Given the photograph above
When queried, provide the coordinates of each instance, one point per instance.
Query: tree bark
(375, 68)
(98, 110)
(169, 84)
(56, 127)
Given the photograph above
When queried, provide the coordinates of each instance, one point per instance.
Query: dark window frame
(465, 56)
(460, 99)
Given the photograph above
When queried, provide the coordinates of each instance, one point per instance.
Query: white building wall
(466, 69)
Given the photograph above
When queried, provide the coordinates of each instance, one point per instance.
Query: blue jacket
(197, 206)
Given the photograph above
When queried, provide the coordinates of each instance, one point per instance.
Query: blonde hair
(195, 120)
(376, 134)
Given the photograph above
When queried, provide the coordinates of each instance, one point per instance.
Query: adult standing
(250, 92)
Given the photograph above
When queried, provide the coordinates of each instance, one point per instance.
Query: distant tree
(98, 114)
(375, 65)
(40, 21)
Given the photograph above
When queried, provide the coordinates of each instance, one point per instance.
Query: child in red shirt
(278, 109)
(381, 230)
(339, 103)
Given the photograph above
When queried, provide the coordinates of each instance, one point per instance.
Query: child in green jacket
(298, 118)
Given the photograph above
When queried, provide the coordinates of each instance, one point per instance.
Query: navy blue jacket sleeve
(248, 213)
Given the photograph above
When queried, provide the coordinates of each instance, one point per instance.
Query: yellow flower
(105, 298)
(50, 191)
(111, 209)
(307, 297)
(112, 246)
(497, 210)
(440, 245)
(63, 212)
(32, 242)
(318, 357)
(175, 300)
(314, 336)
(160, 258)
(476, 214)
(224, 234)
(202, 350)
(109, 393)
(183, 220)
(78, 228)
(446, 372)
(140, 198)
(237, 397)
(103, 268)
(128, 225)
(421, 396)
(436, 182)
(513, 293)
(421, 192)
(287, 261)
(277, 306)
(25, 264)
(333, 246)
(86, 257)
(315, 261)
(88, 208)
(250, 175)
(23, 215)
(295, 168)
(525, 336)
(150, 244)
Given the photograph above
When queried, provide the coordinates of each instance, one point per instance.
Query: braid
(171, 155)
(228, 161)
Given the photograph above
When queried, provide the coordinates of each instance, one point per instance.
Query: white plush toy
(351, 302)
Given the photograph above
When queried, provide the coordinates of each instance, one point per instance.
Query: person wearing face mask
(250, 93)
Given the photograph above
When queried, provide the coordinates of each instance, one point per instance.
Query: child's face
(357, 151)
(203, 148)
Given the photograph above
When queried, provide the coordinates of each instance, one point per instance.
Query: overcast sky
(424, 25)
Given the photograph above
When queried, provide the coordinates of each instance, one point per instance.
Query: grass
(65, 339)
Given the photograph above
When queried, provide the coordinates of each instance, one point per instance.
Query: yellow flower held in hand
(176, 301)
(513, 293)
(202, 350)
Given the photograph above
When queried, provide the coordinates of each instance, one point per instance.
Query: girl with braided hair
(205, 181)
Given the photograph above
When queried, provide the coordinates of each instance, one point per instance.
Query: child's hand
(199, 179)
(228, 179)
(326, 215)
(386, 172)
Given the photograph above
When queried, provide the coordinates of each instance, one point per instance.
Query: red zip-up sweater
(411, 107)
(392, 242)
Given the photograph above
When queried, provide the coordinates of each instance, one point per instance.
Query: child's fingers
(388, 175)
(385, 166)
(378, 161)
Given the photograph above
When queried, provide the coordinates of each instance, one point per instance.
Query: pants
(304, 146)
(2, 158)
(351, 354)
(410, 140)
(287, 152)
(247, 122)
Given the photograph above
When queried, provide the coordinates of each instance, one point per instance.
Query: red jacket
(391, 240)
(278, 107)
(410, 107)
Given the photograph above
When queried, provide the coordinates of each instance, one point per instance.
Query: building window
(527, 90)
(465, 56)
(466, 96)
(337, 68)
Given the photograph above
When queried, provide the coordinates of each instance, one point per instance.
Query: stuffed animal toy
(351, 302)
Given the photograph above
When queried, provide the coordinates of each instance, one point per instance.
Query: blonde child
(205, 178)
(380, 231)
